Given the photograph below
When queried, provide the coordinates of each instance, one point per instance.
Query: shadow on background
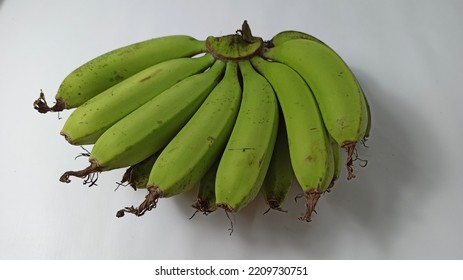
(375, 199)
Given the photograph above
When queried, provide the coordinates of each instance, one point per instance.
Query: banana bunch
(233, 116)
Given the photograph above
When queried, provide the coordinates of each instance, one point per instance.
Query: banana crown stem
(237, 47)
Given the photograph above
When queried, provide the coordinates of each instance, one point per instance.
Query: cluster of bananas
(234, 116)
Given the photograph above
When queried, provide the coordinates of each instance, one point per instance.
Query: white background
(406, 204)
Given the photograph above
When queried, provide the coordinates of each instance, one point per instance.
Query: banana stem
(150, 202)
(89, 173)
(246, 33)
(41, 105)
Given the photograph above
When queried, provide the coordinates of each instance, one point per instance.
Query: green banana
(88, 122)
(289, 35)
(110, 68)
(137, 175)
(205, 201)
(337, 159)
(280, 175)
(247, 155)
(150, 127)
(351, 151)
(309, 146)
(192, 152)
(285, 36)
(335, 88)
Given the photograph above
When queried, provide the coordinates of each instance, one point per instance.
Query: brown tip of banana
(90, 174)
(311, 199)
(150, 202)
(350, 148)
(202, 206)
(274, 205)
(127, 179)
(41, 105)
(67, 137)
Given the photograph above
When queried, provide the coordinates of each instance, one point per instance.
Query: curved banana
(95, 116)
(192, 152)
(247, 155)
(280, 175)
(309, 146)
(289, 35)
(335, 88)
(205, 200)
(110, 68)
(150, 127)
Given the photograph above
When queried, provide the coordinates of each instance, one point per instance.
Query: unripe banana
(192, 152)
(309, 146)
(337, 160)
(110, 68)
(94, 117)
(280, 175)
(205, 200)
(247, 155)
(150, 127)
(137, 175)
(286, 36)
(289, 35)
(335, 88)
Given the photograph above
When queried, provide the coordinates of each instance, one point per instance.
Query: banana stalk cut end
(150, 202)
